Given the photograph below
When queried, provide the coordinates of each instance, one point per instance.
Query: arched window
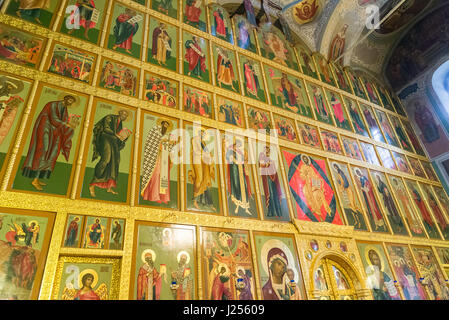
(440, 83)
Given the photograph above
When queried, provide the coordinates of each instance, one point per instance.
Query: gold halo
(153, 255)
(63, 94)
(240, 268)
(181, 253)
(368, 261)
(130, 113)
(116, 221)
(224, 266)
(170, 124)
(91, 271)
(29, 223)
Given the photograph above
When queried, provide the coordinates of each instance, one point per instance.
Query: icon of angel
(87, 281)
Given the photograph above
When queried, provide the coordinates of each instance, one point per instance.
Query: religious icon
(406, 272)
(356, 84)
(324, 69)
(117, 232)
(167, 7)
(369, 153)
(161, 90)
(280, 273)
(413, 138)
(370, 118)
(341, 77)
(83, 278)
(164, 262)
(352, 148)
(331, 142)
(288, 92)
(386, 158)
(416, 167)
(340, 114)
(348, 196)
(386, 128)
(252, 76)
(107, 166)
(228, 268)
(437, 210)
(274, 201)
(95, 232)
(244, 34)
(119, 77)
(71, 63)
(384, 97)
(202, 172)
(226, 74)
(158, 170)
(259, 119)
(319, 280)
(356, 117)
(337, 46)
(230, 111)
(372, 207)
(20, 47)
(390, 208)
(444, 255)
(196, 57)
(126, 31)
(198, 102)
(371, 90)
(309, 135)
(306, 11)
(13, 96)
(433, 278)
(51, 162)
(311, 188)
(319, 103)
(401, 162)
(429, 170)
(314, 245)
(73, 231)
(240, 189)
(419, 200)
(403, 140)
(220, 23)
(195, 14)
(41, 12)
(406, 206)
(397, 105)
(306, 61)
(273, 46)
(444, 202)
(380, 278)
(285, 128)
(84, 19)
(24, 241)
(163, 44)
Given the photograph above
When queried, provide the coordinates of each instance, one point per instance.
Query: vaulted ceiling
(365, 49)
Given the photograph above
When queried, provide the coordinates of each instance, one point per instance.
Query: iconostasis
(334, 195)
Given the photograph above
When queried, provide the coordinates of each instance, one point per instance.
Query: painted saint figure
(155, 184)
(109, 138)
(72, 232)
(195, 58)
(149, 280)
(86, 292)
(9, 104)
(181, 278)
(203, 171)
(271, 184)
(32, 8)
(239, 186)
(220, 23)
(390, 205)
(370, 201)
(51, 135)
(86, 9)
(275, 288)
(338, 45)
(95, 234)
(193, 12)
(379, 282)
(320, 105)
(116, 234)
(251, 79)
(126, 26)
(161, 48)
(225, 70)
(426, 123)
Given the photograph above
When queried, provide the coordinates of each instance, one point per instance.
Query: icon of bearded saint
(306, 11)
